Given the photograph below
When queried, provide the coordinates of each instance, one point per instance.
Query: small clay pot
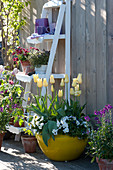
(29, 143)
(11, 121)
(104, 164)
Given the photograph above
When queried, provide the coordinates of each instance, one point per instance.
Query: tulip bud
(79, 78)
(62, 83)
(52, 80)
(60, 93)
(52, 88)
(72, 91)
(74, 82)
(77, 87)
(66, 78)
(28, 98)
(78, 93)
(39, 83)
(35, 77)
(45, 84)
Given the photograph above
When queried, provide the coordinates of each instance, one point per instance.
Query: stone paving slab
(12, 157)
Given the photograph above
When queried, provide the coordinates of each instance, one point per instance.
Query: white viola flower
(74, 118)
(66, 130)
(58, 123)
(41, 125)
(65, 118)
(85, 126)
(37, 123)
(55, 131)
(1, 68)
(77, 122)
(65, 125)
(42, 118)
(84, 122)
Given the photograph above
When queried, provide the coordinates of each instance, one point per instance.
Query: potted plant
(10, 92)
(61, 129)
(21, 55)
(101, 139)
(39, 59)
(29, 143)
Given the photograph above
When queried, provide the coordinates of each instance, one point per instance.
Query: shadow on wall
(89, 50)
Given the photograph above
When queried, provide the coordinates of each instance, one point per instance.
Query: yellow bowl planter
(64, 148)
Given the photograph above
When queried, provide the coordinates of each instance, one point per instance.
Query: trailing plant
(11, 22)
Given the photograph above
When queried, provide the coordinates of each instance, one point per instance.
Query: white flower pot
(41, 70)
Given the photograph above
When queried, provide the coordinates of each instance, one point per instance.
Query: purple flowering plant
(10, 98)
(101, 139)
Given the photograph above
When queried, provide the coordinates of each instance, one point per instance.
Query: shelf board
(15, 130)
(25, 78)
(22, 77)
(46, 37)
(51, 37)
(56, 76)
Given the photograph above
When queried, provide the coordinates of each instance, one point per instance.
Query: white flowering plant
(60, 117)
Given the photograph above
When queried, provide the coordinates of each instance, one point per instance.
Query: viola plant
(10, 97)
(101, 139)
(60, 117)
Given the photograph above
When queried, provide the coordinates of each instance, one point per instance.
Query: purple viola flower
(102, 113)
(1, 109)
(7, 106)
(109, 106)
(5, 91)
(1, 92)
(87, 118)
(96, 112)
(98, 122)
(96, 118)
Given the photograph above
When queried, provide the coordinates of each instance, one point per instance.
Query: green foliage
(60, 117)
(38, 57)
(10, 99)
(12, 20)
(101, 139)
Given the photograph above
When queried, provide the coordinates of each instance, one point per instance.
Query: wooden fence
(91, 48)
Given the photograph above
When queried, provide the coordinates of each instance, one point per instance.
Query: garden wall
(91, 48)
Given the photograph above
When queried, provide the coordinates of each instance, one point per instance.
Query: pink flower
(13, 53)
(11, 82)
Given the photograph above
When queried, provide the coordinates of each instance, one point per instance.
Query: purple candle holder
(41, 22)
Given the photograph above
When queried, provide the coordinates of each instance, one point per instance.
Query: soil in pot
(29, 143)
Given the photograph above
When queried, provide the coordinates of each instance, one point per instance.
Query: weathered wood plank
(101, 52)
(78, 43)
(110, 52)
(90, 56)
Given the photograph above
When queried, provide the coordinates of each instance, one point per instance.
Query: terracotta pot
(26, 67)
(29, 143)
(64, 148)
(11, 121)
(1, 139)
(105, 164)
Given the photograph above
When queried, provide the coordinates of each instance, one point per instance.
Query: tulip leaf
(45, 134)
(61, 112)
